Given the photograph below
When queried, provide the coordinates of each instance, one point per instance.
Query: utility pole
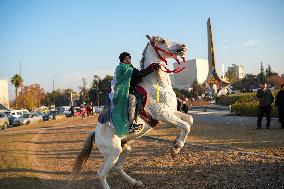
(21, 75)
(53, 90)
(71, 98)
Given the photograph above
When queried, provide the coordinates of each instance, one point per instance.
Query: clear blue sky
(75, 39)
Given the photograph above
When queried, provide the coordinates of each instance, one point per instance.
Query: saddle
(141, 97)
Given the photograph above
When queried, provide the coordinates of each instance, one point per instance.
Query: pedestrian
(179, 104)
(88, 109)
(265, 99)
(72, 111)
(91, 108)
(184, 106)
(83, 111)
(279, 103)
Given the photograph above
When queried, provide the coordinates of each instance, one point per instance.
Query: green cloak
(119, 114)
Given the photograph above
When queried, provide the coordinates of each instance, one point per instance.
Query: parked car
(77, 111)
(11, 119)
(51, 115)
(63, 109)
(18, 113)
(38, 114)
(99, 109)
(26, 119)
(4, 121)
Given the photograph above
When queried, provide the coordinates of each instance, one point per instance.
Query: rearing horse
(110, 145)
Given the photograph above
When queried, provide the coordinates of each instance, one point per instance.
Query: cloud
(248, 43)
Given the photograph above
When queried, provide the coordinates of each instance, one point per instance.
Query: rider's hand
(156, 66)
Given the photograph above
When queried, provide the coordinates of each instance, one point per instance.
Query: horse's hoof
(138, 184)
(174, 152)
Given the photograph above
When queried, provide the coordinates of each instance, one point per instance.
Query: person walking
(72, 111)
(265, 99)
(279, 103)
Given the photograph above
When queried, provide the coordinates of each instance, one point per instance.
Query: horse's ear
(149, 37)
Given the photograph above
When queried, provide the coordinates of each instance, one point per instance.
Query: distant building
(195, 70)
(238, 70)
(4, 96)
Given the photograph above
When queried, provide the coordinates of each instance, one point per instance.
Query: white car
(4, 121)
(99, 109)
(18, 113)
(26, 119)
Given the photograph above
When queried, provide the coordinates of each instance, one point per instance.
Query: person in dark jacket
(72, 110)
(265, 99)
(179, 104)
(279, 103)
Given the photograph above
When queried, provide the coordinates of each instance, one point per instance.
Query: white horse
(113, 148)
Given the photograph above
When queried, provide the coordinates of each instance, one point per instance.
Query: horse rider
(124, 101)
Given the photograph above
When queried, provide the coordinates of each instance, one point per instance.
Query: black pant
(261, 112)
(281, 115)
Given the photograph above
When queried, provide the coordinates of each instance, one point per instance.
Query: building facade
(238, 70)
(4, 96)
(195, 70)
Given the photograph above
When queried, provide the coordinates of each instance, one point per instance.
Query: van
(18, 113)
(63, 109)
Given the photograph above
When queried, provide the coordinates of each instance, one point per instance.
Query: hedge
(227, 100)
(249, 109)
(244, 104)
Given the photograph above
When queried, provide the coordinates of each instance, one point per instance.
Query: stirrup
(133, 127)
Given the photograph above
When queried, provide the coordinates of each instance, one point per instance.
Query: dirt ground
(215, 156)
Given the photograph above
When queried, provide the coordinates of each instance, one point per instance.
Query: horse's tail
(85, 153)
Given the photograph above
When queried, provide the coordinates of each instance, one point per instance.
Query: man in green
(124, 101)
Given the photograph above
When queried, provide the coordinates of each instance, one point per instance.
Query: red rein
(165, 69)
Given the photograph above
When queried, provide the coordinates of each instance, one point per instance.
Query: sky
(66, 40)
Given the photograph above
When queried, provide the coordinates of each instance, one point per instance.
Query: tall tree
(17, 81)
(31, 97)
(231, 75)
(60, 97)
(248, 81)
(269, 72)
(261, 76)
(83, 94)
(99, 89)
(197, 89)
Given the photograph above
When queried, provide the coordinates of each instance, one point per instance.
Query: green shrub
(227, 100)
(249, 109)
(244, 104)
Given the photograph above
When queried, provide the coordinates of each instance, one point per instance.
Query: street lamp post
(71, 98)
(53, 90)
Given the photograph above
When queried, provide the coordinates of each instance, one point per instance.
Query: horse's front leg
(171, 119)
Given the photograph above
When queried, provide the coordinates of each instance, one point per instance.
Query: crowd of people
(182, 104)
(86, 109)
(266, 99)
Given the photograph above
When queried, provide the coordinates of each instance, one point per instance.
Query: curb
(225, 117)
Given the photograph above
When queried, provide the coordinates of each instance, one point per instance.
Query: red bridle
(172, 55)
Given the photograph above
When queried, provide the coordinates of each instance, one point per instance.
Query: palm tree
(17, 81)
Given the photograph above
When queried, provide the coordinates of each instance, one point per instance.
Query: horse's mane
(143, 57)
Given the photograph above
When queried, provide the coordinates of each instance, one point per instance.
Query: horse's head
(166, 45)
(162, 49)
